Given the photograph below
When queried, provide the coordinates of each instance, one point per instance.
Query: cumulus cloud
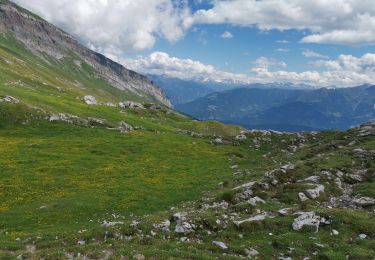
(333, 21)
(116, 25)
(313, 54)
(346, 70)
(160, 63)
(227, 35)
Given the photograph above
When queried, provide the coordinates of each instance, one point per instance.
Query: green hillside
(80, 181)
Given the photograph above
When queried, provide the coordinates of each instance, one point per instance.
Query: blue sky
(316, 42)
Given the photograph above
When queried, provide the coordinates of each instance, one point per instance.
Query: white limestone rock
(90, 100)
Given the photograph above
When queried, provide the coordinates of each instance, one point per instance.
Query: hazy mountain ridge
(319, 109)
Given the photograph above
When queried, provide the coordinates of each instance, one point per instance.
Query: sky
(313, 42)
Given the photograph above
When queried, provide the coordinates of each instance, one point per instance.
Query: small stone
(362, 236)
(311, 179)
(222, 245)
(90, 100)
(9, 99)
(125, 127)
(364, 201)
(139, 257)
(315, 193)
(251, 252)
(163, 225)
(335, 232)
(256, 200)
(81, 242)
(302, 197)
(308, 219)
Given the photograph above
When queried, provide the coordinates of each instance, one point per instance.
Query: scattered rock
(255, 200)
(338, 183)
(364, 201)
(335, 232)
(184, 227)
(156, 107)
(355, 177)
(315, 193)
(163, 225)
(90, 100)
(251, 252)
(362, 236)
(241, 137)
(131, 105)
(302, 197)
(215, 205)
(248, 185)
(179, 216)
(217, 141)
(222, 245)
(81, 242)
(284, 212)
(139, 257)
(359, 152)
(254, 218)
(308, 219)
(288, 167)
(9, 99)
(111, 224)
(311, 179)
(96, 121)
(125, 127)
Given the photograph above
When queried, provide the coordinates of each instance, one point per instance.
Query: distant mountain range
(183, 91)
(286, 109)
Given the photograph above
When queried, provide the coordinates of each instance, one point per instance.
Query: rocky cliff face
(42, 37)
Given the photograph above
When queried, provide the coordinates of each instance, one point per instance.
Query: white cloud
(313, 54)
(333, 21)
(266, 63)
(346, 70)
(282, 41)
(160, 63)
(227, 35)
(115, 25)
(282, 50)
